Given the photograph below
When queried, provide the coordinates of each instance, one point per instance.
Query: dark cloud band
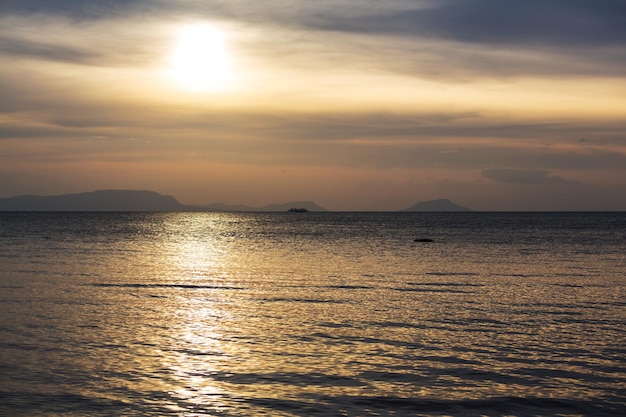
(563, 23)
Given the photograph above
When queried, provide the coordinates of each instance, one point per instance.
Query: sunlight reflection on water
(270, 314)
(192, 362)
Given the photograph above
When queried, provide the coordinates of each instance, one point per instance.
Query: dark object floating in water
(297, 210)
(423, 240)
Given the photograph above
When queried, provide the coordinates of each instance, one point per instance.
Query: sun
(200, 59)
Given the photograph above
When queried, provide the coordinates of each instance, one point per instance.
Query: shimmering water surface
(302, 314)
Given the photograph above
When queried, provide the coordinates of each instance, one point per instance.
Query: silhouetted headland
(131, 200)
(101, 200)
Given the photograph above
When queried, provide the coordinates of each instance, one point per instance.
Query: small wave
(395, 377)
(554, 307)
(544, 374)
(518, 275)
(615, 304)
(333, 287)
(57, 404)
(445, 284)
(301, 300)
(380, 405)
(181, 286)
(290, 378)
(571, 275)
(148, 296)
(349, 340)
(474, 321)
(196, 352)
(403, 325)
(452, 274)
(432, 290)
(338, 325)
(348, 287)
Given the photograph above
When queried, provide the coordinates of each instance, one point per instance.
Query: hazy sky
(355, 104)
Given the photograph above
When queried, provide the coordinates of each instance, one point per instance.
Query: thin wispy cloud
(524, 176)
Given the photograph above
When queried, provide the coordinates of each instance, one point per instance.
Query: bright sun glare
(200, 60)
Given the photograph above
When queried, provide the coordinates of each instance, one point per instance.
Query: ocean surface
(312, 314)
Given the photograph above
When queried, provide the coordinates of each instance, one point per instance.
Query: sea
(313, 314)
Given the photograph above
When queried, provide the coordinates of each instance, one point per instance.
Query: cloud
(46, 51)
(119, 42)
(438, 39)
(568, 23)
(482, 38)
(524, 176)
(76, 9)
(561, 23)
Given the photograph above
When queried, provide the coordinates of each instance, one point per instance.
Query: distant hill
(437, 205)
(142, 200)
(309, 205)
(129, 200)
(222, 207)
(102, 200)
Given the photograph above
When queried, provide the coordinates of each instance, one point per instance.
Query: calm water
(303, 314)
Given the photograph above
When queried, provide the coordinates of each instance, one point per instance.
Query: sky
(354, 104)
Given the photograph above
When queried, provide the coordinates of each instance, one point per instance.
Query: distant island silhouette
(306, 205)
(131, 200)
(437, 205)
(101, 200)
(143, 200)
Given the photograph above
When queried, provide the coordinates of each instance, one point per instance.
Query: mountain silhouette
(308, 205)
(222, 207)
(101, 200)
(437, 205)
(143, 200)
(130, 200)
